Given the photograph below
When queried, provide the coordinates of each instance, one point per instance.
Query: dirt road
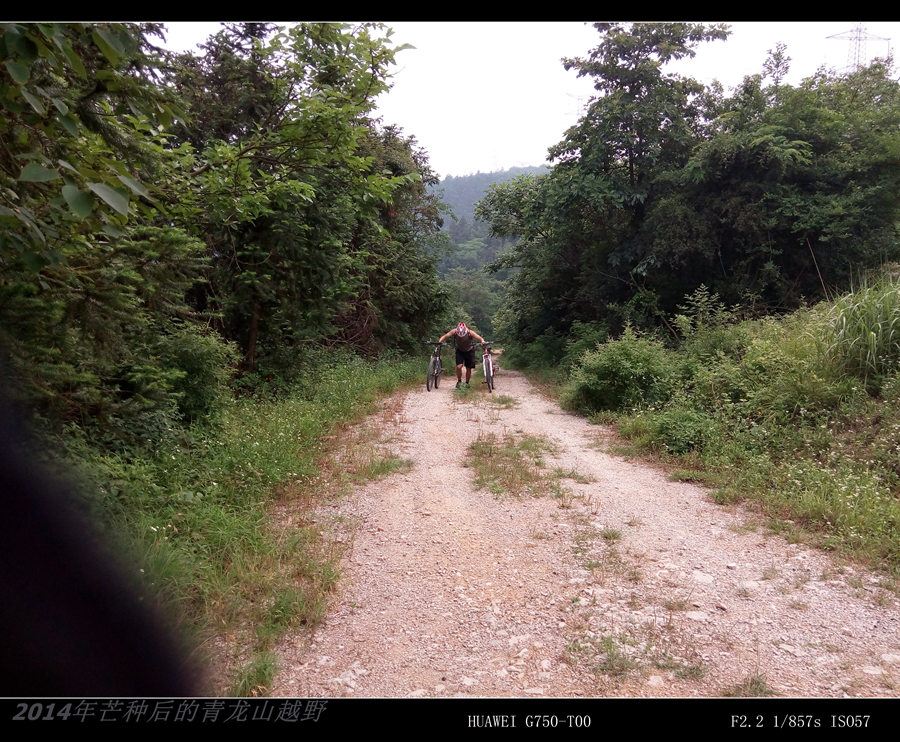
(634, 586)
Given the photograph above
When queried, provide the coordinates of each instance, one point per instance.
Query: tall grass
(865, 324)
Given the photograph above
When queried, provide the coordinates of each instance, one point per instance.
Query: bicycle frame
(488, 366)
(435, 368)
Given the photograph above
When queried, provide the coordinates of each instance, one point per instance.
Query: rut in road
(634, 586)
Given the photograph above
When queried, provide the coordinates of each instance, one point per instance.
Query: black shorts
(466, 356)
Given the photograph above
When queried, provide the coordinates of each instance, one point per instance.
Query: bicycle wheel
(429, 378)
(489, 374)
(438, 370)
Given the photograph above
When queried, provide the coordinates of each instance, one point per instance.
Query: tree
(773, 195)
(92, 272)
(279, 117)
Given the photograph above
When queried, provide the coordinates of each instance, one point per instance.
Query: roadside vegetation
(800, 414)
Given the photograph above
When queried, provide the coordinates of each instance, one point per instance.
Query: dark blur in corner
(71, 623)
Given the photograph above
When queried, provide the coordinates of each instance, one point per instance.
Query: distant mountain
(461, 193)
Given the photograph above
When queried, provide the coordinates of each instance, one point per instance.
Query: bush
(710, 342)
(583, 337)
(679, 430)
(204, 361)
(628, 372)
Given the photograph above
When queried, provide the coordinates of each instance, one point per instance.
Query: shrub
(583, 337)
(710, 342)
(204, 360)
(680, 430)
(628, 372)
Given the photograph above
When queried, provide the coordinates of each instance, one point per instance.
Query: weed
(694, 671)
(574, 475)
(610, 534)
(382, 467)
(504, 401)
(612, 660)
(514, 465)
(753, 686)
(255, 678)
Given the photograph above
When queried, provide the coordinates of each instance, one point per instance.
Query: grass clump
(512, 465)
(865, 331)
(753, 686)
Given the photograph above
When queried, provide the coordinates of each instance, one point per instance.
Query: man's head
(462, 330)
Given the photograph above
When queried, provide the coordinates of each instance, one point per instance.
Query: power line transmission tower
(858, 37)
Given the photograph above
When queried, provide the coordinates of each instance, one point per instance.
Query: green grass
(574, 475)
(383, 467)
(464, 390)
(694, 475)
(694, 671)
(602, 654)
(612, 660)
(196, 513)
(513, 465)
(753, 686)
(865, 330)
(610, 534)
(256, 677)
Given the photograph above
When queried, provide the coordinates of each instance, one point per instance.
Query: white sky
(488, 96)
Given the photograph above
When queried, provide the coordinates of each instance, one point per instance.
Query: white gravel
(451, 591)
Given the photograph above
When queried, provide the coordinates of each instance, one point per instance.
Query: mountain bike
(488, 364)
(435, 368)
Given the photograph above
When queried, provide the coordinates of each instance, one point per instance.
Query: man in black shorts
(465, 349)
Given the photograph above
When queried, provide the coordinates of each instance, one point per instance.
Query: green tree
(93, 273)
(279, 118)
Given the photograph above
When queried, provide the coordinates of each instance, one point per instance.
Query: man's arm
(446, 335)
(477, 336)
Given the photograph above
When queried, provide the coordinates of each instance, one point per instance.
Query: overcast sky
(488, 96)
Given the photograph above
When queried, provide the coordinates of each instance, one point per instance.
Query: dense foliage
(771, 196)
(165, 215)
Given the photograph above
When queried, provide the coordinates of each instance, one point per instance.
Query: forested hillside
(470, 247)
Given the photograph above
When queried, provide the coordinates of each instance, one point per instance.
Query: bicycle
(435, 368)
(488, 365)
